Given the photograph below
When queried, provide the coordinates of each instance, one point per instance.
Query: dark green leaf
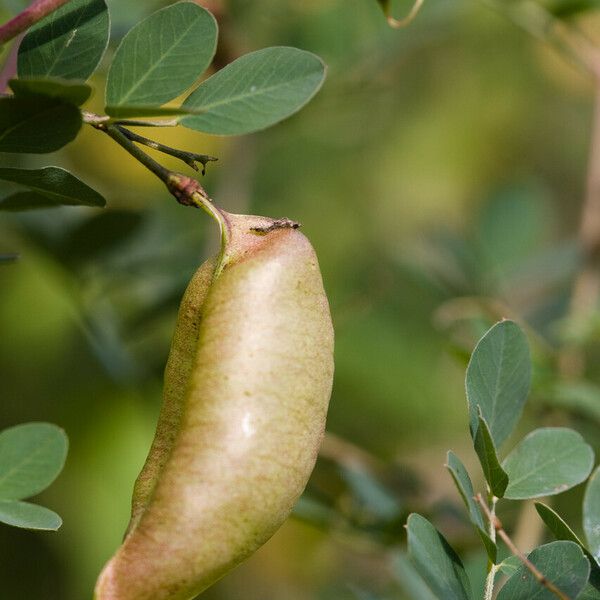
(565, 9)
(498, 379)
(591, 514)
(31, 457)
(465, 488)
(28, 516)
(162, 56)
(562, 563)
(37, 125)
(546, 462)
(410, 581)
(52, 186)
(556, 524)
(68, 43)
(255, 91)
(75, 92)
(99, 234)
(435, 560)
(486, 451)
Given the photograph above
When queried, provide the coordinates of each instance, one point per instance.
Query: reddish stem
(34, 13)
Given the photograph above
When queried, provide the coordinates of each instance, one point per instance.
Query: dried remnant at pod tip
(247, 387)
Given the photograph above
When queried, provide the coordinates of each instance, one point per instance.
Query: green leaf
(486, 451)
(75, 92)
(28, 516)
(255, 91)
(31, 457)
(562, 531)
(68, 43)
(465, 488)
(546, 462)
(556, 524)
(562, 563)
(435, 560)
(37, 125)
(51, 186)
(498, 379)
(591, 514)
(510, 565)
(162, 56)
(410, 581)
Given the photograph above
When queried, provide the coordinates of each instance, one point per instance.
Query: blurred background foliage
(439, 174)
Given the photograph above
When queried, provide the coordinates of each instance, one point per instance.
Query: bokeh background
(439, 174)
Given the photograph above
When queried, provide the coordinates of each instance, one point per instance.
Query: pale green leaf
(498, 379)
(28, 516)
(31, 457)
(255, 91)
(68, 43)
(546, 462)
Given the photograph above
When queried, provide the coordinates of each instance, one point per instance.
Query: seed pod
(240, 429)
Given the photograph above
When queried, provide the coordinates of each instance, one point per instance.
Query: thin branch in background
(586, 289)
(189, 158)
(25, 19)
(499, 528)
(408, 19)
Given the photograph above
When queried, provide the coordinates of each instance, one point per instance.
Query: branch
(586, 289)
(499, 528)
(189, 158)
(31, 15)
(187, 191)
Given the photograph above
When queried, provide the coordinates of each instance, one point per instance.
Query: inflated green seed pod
(242, 420)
